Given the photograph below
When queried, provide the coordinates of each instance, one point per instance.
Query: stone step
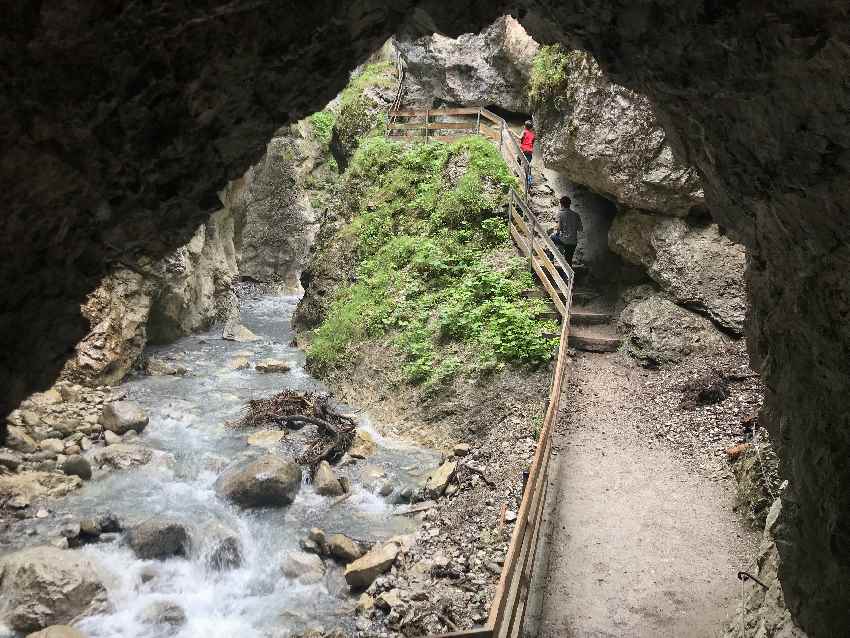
(595, 338)
(588, 317)
(584, 295)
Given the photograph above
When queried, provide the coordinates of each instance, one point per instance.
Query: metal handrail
(507, 611)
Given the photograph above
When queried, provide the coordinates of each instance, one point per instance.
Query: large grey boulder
(608, 138)
(43, 586)
(122, 416)
(487, 68)
(343, 548)
(266, 482)
(159, 538)
(694, 264)
(657, 331)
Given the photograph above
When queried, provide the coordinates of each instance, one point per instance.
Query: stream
(188, 418)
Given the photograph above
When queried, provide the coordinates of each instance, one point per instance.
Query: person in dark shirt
(569, 223)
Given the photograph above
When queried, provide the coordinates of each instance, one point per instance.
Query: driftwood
(294, 410)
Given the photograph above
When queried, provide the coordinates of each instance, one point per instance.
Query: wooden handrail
(507, 610)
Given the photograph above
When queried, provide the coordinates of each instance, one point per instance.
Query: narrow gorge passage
(640, 543)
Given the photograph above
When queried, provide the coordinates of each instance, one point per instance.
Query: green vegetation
(377, 74)
(322, 124)
(549, 83)
(436, 271)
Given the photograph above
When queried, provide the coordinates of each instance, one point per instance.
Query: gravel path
(642, 534)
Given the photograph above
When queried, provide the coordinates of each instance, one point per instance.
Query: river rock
(159, 538)
(326, 482)
(439, 479)
(54, 446)
(272, 365)
(58, 631)
(10, 460)
(17, 439)
(266, 482)
(168, 616)
(223, 547)
(658, 332)
(111, 438)
(360, 573)
(121, 456)
(363, 445)
(239, 363)
(235, 331)
(76, 465)
(43, 586)
(121, 416)
(303, 567)
(22, 489)
(461, 449)
(156, 367)
(343, 548)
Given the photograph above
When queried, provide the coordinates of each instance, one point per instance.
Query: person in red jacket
(526, 145)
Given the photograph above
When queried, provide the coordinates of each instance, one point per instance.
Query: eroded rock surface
(44, 586)
(695, 265)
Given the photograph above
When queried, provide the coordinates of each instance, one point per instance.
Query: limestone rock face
(608, 138)
(658, 331)
(44, 586)
(487, 68)
(694, 264)
(275, 220)
(267, 482)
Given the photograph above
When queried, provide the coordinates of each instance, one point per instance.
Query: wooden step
(583, 295)
(589, 317)
(602, 338)
(535, 293)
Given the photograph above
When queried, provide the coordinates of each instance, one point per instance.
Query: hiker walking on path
(526, 145)
(569, 223)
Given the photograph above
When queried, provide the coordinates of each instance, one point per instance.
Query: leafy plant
(322, 124)
(549, 83)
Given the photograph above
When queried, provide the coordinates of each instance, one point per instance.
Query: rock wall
(608, 138)
(486, 68)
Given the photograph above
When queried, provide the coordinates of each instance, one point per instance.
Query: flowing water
(188, 425)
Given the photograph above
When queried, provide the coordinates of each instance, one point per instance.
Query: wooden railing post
(427, 116)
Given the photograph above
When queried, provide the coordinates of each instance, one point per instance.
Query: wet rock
(23, 488)
(364, 604)
(159, 538)
(17, 439)
(343, 548)
(43, 586)
(360, 573)
(121, 456)
(58, 631)
(160, 367)
(224, 549)
(389, 600)
(168, 616)
(238, 363)
(439, 479)
(266, 482)
(363, 445)
(76, 465)
(303, 567)
(268, 439)
(272, 365)
(235, 331)
(386, 489)
(111, 438)
(122, 416)
(658, 331)
(89, 527)
(325, 482)
(310, 547)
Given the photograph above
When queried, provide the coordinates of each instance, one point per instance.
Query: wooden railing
(509, 605)
(449, 125)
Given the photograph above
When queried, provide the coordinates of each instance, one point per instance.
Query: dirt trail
(641, 543)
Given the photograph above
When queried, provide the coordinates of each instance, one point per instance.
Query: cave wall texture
(120, 121)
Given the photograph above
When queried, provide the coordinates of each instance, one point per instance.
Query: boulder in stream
(122, 456)
(235, 331)
(44, 586)
(159, 538)
(17, 439)
(360, 573)
(222, 547)
(303, 567)
(266, 482)
(326, 482)
(122, 416)
(343, 548)
(272, 365)
(168, 616)
(58, 631)
(76, 465)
